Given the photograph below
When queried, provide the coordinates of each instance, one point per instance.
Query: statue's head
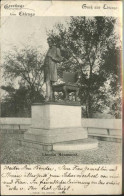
(49, 42)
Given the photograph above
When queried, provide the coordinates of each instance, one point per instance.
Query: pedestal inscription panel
(50, 116)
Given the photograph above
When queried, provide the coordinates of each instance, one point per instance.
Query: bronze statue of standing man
(53, 57)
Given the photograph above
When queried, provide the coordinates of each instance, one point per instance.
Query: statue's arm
(60, 58)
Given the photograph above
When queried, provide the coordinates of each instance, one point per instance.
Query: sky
(20, 31)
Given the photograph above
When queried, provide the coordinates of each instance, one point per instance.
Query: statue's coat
(53, 57)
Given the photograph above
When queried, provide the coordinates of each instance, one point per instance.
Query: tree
(15, 103)
(86, 42)
(23, 67)
(18, 102)
(114, 73)
(26, 66)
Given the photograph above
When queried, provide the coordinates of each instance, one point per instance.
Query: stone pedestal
(53, 123)
(55, 116)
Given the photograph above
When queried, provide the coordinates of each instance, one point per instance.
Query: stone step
(109, 138)
(55, 135)
(84, 144)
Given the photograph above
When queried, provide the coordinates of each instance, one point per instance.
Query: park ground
(13, 153)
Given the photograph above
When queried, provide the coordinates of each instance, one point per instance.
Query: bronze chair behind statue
(68, 86)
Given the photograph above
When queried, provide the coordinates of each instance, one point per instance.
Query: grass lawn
(12, 153)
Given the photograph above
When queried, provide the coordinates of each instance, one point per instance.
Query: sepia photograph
(61, 91)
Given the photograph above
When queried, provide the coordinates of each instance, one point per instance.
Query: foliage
(26, 65)
(114, 73)
(18, 101)
(24, 69)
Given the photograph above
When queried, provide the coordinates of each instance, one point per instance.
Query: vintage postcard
(61, 97)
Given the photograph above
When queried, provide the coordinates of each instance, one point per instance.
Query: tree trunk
(89, 112)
